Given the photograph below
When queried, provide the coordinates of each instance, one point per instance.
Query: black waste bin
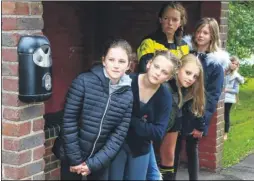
(35, 68)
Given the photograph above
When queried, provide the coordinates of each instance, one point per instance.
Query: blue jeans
(153, 172)
(127, 167)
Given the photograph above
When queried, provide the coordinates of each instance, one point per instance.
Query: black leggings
(192, 155)
(227, 116)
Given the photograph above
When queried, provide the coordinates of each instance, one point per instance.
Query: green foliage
(241, 30)
(247, 70)
(240, 141)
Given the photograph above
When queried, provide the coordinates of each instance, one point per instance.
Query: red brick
(8, 8)
(30, 112)
(10, 69)
(36, 8)
(9, 24)
(11, 114)
(207, 156)
(24, 143)
(55, 173)
(48, 151)
(22, 8)
(9, 54)
(210, 141)
(10, 144)
(12, 129)
(10, 84)
(10, 39)
(208, 164)
(38, 153)
(48, 143)
(16, 158)
(47, 159)
(14, 172)
(10, 99)
(206, 148)
(38, 124)
(23, 172)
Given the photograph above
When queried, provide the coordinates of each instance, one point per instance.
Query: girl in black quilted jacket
(97, 116)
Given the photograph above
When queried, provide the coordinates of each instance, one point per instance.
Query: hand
(76, 169)
(85, 170)
(197, 134)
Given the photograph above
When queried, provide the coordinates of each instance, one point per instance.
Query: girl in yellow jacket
(168, 36)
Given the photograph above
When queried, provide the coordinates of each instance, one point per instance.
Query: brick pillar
(22, 124)
(211, 147)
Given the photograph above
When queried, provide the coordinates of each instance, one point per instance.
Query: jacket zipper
(100, 126)
(120, 91)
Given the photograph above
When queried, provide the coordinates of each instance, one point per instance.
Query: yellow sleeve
(146, 47)
(185, 49)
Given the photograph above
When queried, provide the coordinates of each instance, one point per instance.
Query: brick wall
(22, 124)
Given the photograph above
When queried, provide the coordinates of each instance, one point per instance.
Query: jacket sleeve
(240, 79)
(199, 123)
(145, 52)
(70, 129)
(106, 154)
(154, 131)
(214, 88)
(234, 90)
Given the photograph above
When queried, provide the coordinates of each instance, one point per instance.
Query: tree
(241, 29)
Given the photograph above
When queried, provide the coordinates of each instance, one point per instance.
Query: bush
(247, 70)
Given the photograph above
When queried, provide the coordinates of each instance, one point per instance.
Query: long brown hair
(197, 90)
(179, 7)
(214, 31)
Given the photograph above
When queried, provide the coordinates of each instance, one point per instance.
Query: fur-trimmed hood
(220, 57)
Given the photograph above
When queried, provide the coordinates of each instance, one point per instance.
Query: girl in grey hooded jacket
(232, 81)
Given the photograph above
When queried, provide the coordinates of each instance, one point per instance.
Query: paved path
(241, 171)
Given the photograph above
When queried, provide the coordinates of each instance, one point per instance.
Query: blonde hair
(197, 90)
(169, 56)
(176, 64)
(234, 59)
(214, 32)
(229, 71)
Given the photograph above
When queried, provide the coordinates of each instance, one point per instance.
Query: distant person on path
(232, 81)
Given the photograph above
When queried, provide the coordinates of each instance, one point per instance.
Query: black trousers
(227, 108)
(67, 175)
(192, 155)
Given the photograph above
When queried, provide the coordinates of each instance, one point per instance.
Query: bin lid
(29, 43)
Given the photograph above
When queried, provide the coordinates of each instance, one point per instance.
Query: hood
(99, 71)
(187, 39)
(125, 81)
(219, 57)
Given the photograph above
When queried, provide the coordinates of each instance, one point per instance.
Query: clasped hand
(80, 169)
